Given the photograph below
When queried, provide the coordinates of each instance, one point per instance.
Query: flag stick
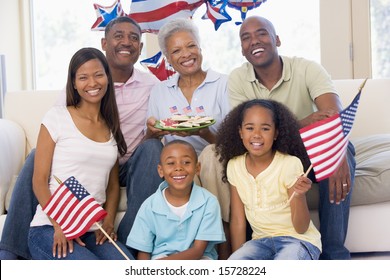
(100, 227)
(112, 240)
(304, 175)
(362, 85)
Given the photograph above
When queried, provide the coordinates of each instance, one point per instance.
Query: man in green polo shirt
(306, 88)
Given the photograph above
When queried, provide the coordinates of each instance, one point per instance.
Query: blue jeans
(40, 241)
(276, 248)
(334, 218)
(21, 210)
(141, 178)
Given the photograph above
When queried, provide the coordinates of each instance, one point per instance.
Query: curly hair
(229, 143)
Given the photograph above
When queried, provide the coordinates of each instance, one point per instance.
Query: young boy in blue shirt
(180, 221)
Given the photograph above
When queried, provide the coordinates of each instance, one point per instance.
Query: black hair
(108, 106)
(229, 143)
(181, 142)
(121, 20)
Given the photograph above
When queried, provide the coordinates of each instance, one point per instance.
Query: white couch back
(27, 109)
(373, 113)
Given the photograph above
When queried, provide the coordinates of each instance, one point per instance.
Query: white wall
(10, 44)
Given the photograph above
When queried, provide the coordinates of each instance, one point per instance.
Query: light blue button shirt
(158, 231)
(209, 99)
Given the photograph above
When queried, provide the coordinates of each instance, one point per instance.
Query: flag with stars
(159, 66)
(326, 141)
(199, 109)
(106, 14)
(173, 109)
(73, 208)
(216, 12)
(187, 110)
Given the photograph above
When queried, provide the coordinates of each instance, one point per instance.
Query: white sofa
(369, 229)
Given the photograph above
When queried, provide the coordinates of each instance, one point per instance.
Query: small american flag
(326, 141)
(173, 109)
(187, 110)
(73, 208)
(199, 109)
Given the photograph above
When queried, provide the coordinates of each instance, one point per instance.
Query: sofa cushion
(12, 150)
(372, 177)
(27, 109)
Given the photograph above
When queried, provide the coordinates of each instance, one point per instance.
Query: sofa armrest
(12, 151)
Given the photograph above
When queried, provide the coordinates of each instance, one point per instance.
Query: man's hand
(317, 116)
(340, 183)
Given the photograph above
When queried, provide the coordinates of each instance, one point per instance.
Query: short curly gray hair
(173, 26)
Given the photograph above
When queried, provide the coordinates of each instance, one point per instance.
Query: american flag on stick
(326, 141)
(73, 208)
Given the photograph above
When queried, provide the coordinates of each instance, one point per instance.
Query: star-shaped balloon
(159, 66)
(216, 12)
(106, 14)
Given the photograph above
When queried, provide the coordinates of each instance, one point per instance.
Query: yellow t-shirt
(265, 197)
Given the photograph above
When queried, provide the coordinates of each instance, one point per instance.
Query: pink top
(132, 99)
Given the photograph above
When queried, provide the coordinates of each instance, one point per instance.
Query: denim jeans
(40, 241)
(334, 217)
(21, 210)
(141, 178)
(276, 248)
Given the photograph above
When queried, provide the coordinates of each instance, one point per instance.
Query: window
(380, 39)
(348, 37)
(60, 29)
(297, 27)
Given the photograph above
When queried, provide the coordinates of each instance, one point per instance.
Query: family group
(233, 190)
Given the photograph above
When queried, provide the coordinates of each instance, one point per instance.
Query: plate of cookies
(184, 123)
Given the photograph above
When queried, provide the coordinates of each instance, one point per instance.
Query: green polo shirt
(301, 83)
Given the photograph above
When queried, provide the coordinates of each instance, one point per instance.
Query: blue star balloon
(106, 14)
(216, 12)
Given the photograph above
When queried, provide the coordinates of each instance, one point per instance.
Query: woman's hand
(61, 245)
(109, 229)
(153, 132)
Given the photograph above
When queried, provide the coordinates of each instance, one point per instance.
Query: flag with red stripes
(152, 14)
(326, 141)
(73, 208)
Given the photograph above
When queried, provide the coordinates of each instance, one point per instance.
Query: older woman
(191, 91)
